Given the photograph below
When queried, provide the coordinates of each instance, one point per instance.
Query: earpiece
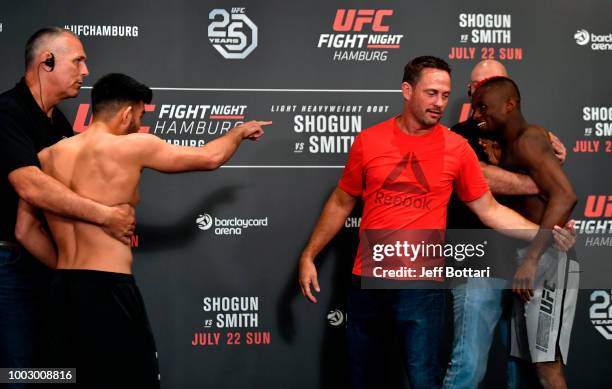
(50, 61)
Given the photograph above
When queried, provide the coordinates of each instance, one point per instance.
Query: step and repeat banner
(216, 253)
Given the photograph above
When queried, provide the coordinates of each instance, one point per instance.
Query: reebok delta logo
(407, 194)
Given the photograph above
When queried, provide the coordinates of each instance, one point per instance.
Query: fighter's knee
(550, 375)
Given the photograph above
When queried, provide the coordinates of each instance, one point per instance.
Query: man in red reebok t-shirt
(404, 169)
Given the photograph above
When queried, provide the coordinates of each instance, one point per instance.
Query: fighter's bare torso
(96, 165)
(532, 207)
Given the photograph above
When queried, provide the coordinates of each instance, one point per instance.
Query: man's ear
(407, 90)
(47, 59)
(126, 115)
(511, 105)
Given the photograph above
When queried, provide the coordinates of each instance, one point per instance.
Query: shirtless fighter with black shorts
(97, 321)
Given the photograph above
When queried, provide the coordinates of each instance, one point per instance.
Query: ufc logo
(80, 121)
(355, 20)
(548, 298)
(598, 206)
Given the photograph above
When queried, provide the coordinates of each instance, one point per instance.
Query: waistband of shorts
(94, 275)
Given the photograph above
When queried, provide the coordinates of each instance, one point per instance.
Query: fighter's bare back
(102, 167)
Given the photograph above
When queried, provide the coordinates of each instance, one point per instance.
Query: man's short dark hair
(507, 84)
(114, 90)
(412, 71)
(33, 43)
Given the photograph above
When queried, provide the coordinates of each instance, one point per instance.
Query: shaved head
(503, 87)
(494, 102)
(487, 69)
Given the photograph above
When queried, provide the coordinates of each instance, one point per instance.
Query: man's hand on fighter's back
(558, 147)
(120, 222)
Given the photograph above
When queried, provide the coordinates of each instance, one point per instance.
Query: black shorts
(96, 322)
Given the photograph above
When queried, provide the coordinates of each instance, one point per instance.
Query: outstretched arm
(155, 153)
(504, 182)
(32, 235)
(508, 222)
(501, 218)
(337, 208)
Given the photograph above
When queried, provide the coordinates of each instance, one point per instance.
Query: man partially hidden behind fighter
(545, 276)
(97, 319)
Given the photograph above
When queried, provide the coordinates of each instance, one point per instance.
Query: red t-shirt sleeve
(352, 181)
(470, 184)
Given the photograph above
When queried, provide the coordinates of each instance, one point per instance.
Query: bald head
(46, 39)
(486, 69)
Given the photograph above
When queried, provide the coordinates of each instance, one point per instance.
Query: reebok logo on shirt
(411, 194)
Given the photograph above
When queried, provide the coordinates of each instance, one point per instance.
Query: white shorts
(543, 325)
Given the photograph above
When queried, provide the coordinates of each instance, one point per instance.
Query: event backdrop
(216, 253)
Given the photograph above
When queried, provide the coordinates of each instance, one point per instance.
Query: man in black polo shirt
(29, 122)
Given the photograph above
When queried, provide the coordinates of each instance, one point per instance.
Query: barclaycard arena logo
(582, 37)
(233, 34)
(335, 317)
(204, 221)
(600, 312)
(361, 35)
(598, 42)
(228, 226)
